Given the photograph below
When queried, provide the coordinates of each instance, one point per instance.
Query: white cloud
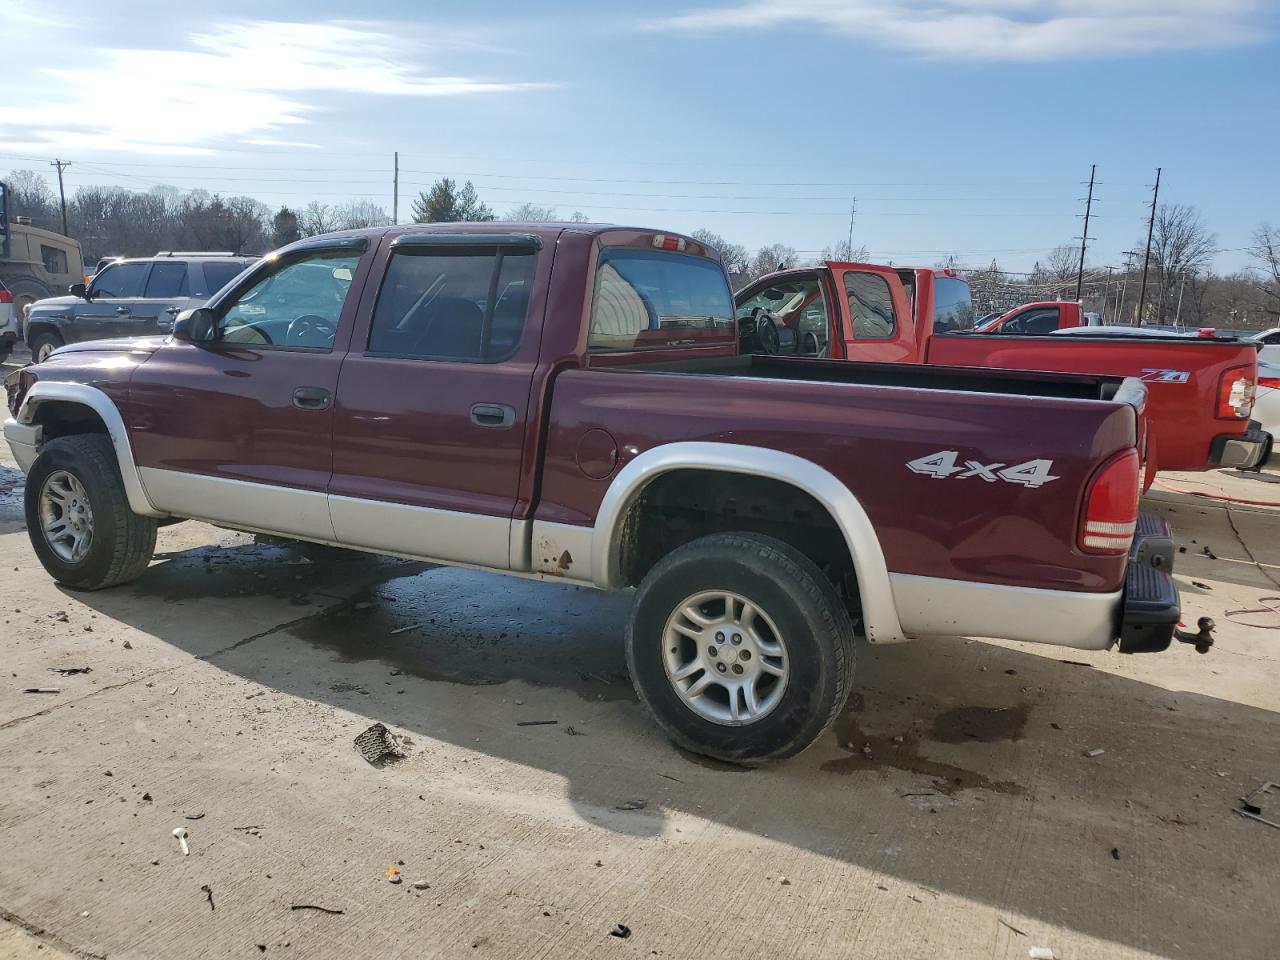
(242, 82)
(1002, 29)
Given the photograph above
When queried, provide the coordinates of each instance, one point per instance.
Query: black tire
(123, 542)
(26, 290)
(50, 340)
(6, 348)
(792, 592)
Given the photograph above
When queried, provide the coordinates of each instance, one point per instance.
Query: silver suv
(135, 297)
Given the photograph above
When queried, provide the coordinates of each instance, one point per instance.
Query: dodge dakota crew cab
(1200, 390)
(569, 402)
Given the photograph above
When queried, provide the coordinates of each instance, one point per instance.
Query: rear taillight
(1111, 507)
(6, 296)
(1235, 393)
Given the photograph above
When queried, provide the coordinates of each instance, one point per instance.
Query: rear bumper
(1150, 611)
(1243, 452)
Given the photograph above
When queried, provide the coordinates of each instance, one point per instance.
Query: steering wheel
(766, 331)
(310, 330)
(813, 346)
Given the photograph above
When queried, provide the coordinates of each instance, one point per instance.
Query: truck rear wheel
(741, 649)
(78, 515)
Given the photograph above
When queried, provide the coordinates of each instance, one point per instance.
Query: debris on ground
(393, 874)
(399, 630)
(620, 930)
(127, 645)
(1210, 554)
(784, 881)
(208, 892)
(1202, 585)
(1251, 806)
(632, 805)
(70, 671)
(193, 816)
(42, 690)
(1006, 923)
(1095, 752)
(421, 885)
(377, 744)
(312, 906)
(1115, 853)
(572, 732)
(180, 834)
(1042, 953)
(536, 723)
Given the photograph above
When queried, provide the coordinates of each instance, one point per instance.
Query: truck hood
(131, 345)
(54, 304)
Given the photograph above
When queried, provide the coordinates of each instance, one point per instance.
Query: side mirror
(196, 326)
(78, 290)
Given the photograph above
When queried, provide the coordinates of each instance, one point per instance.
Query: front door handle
(493, 415)
(122, 311)
(312, 398)
(173, 310)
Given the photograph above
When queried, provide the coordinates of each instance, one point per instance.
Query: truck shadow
(959, 766)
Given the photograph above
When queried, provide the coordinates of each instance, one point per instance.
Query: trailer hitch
(1202, 640)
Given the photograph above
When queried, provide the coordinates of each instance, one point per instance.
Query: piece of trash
(1209, 553)
(536, 723)
(421, 885)
(881, 886)
(194, 816)
(1095, 752)
(208, 892)
(146, 798)
(378, 743)
(1251, 806)
(180, 834)
(784, 881)
(313, 906)
(620, 930)
(1011, 927)
(172, 691)
(1201, 585)
(1182, 549)
(1055, 726)
(42, 690)
(70, 671)
(393, 874)
(599, 864)
(632, 805)
(1115, 853)
(399, 630)
(127, 645)
(572, 732)
(1041, 953)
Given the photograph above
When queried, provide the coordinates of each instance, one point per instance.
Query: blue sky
(962, 127)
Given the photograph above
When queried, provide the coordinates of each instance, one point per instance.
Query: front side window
(55, 260)
(298, 305)
(646, 299)
(119, 280)
(453, 303)
(1044, 320)
(870, 306)
(167, 280)
(798, 309)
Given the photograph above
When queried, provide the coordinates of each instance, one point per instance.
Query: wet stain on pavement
(461, 626)
(983, 724)
(867, 752)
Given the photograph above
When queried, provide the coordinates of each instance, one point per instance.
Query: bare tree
(1181, 247)
(531, 213)
(775, 256)
(734, 255)
(845, 252)
(1266, 250)
(358, 214)
(317, 218)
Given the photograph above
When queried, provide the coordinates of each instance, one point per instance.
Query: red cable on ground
(1215, 496)
(1269, 605)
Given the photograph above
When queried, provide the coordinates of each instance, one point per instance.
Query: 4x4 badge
(941, 465)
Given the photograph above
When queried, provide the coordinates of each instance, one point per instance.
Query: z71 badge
(942, 465)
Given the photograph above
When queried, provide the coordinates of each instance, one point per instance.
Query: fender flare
(880, 613)
(105, 408)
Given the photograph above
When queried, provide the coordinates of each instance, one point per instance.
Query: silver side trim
(563, 550)
(101, 404)
(930, 606)
(469, 538)
(880, 616)
(24, 441)
(282, 510)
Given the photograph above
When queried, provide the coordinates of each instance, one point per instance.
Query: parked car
(1268, 344)
(128, 298)
(34, 263)
(1200, 389)
(1266, 404)
(8, 323)
(1045, 316)
(569, 403)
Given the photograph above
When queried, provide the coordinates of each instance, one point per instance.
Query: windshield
(952, 305)
(647, 299)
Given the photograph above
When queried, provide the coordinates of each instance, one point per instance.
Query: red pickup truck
(569, 403)
(1200, 389)
(1044, 316)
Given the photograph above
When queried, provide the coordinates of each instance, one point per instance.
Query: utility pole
(1146, 263)
(1084, 234)
(1182, 285)
(853, 209)
(395, 190)
(62, 194)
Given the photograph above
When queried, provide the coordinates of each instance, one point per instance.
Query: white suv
(9, 323)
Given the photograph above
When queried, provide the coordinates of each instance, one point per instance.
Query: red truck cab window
(870, 300)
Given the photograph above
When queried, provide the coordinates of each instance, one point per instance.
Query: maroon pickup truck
(568, 402)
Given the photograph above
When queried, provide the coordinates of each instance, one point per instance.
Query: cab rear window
(650, 299)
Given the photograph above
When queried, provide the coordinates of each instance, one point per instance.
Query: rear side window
(453, 303)
(218, 275)
(952, 305)
(648, 299)
(870, 306)
(120, 280)
(55, 260)
(167, 280)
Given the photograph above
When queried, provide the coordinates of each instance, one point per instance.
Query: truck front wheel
(740, 648)
(78, 515)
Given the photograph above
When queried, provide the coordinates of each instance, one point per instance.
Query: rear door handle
(493, 415)
(311, 398)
